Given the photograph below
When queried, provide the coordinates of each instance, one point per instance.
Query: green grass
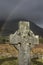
(37, 61)
(40, 60)
(40, 40)
(14, 61)
(8, 61)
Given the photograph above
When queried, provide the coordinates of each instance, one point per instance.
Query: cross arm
(15, 38)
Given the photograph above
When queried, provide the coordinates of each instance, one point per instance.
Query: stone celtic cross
(23, 39)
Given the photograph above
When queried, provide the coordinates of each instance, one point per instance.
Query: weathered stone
(25, 39)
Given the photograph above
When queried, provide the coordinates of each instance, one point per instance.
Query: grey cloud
(6, 6)
(27, 9)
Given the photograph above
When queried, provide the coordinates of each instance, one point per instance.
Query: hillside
(12, 26)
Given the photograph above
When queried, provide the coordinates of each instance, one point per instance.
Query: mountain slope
(37, 30)
(12, 26)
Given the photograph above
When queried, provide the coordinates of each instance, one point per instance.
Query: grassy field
(14, 61)
(36, 61)
(8, 61)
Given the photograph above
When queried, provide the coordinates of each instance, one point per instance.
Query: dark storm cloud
(22, 9)
(6, 7)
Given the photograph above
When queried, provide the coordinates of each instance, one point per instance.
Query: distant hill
(36, 29)
(1, 23)
(12, 26)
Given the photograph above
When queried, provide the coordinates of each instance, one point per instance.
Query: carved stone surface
(25, 39)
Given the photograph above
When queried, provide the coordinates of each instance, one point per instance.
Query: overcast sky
(28, 9)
